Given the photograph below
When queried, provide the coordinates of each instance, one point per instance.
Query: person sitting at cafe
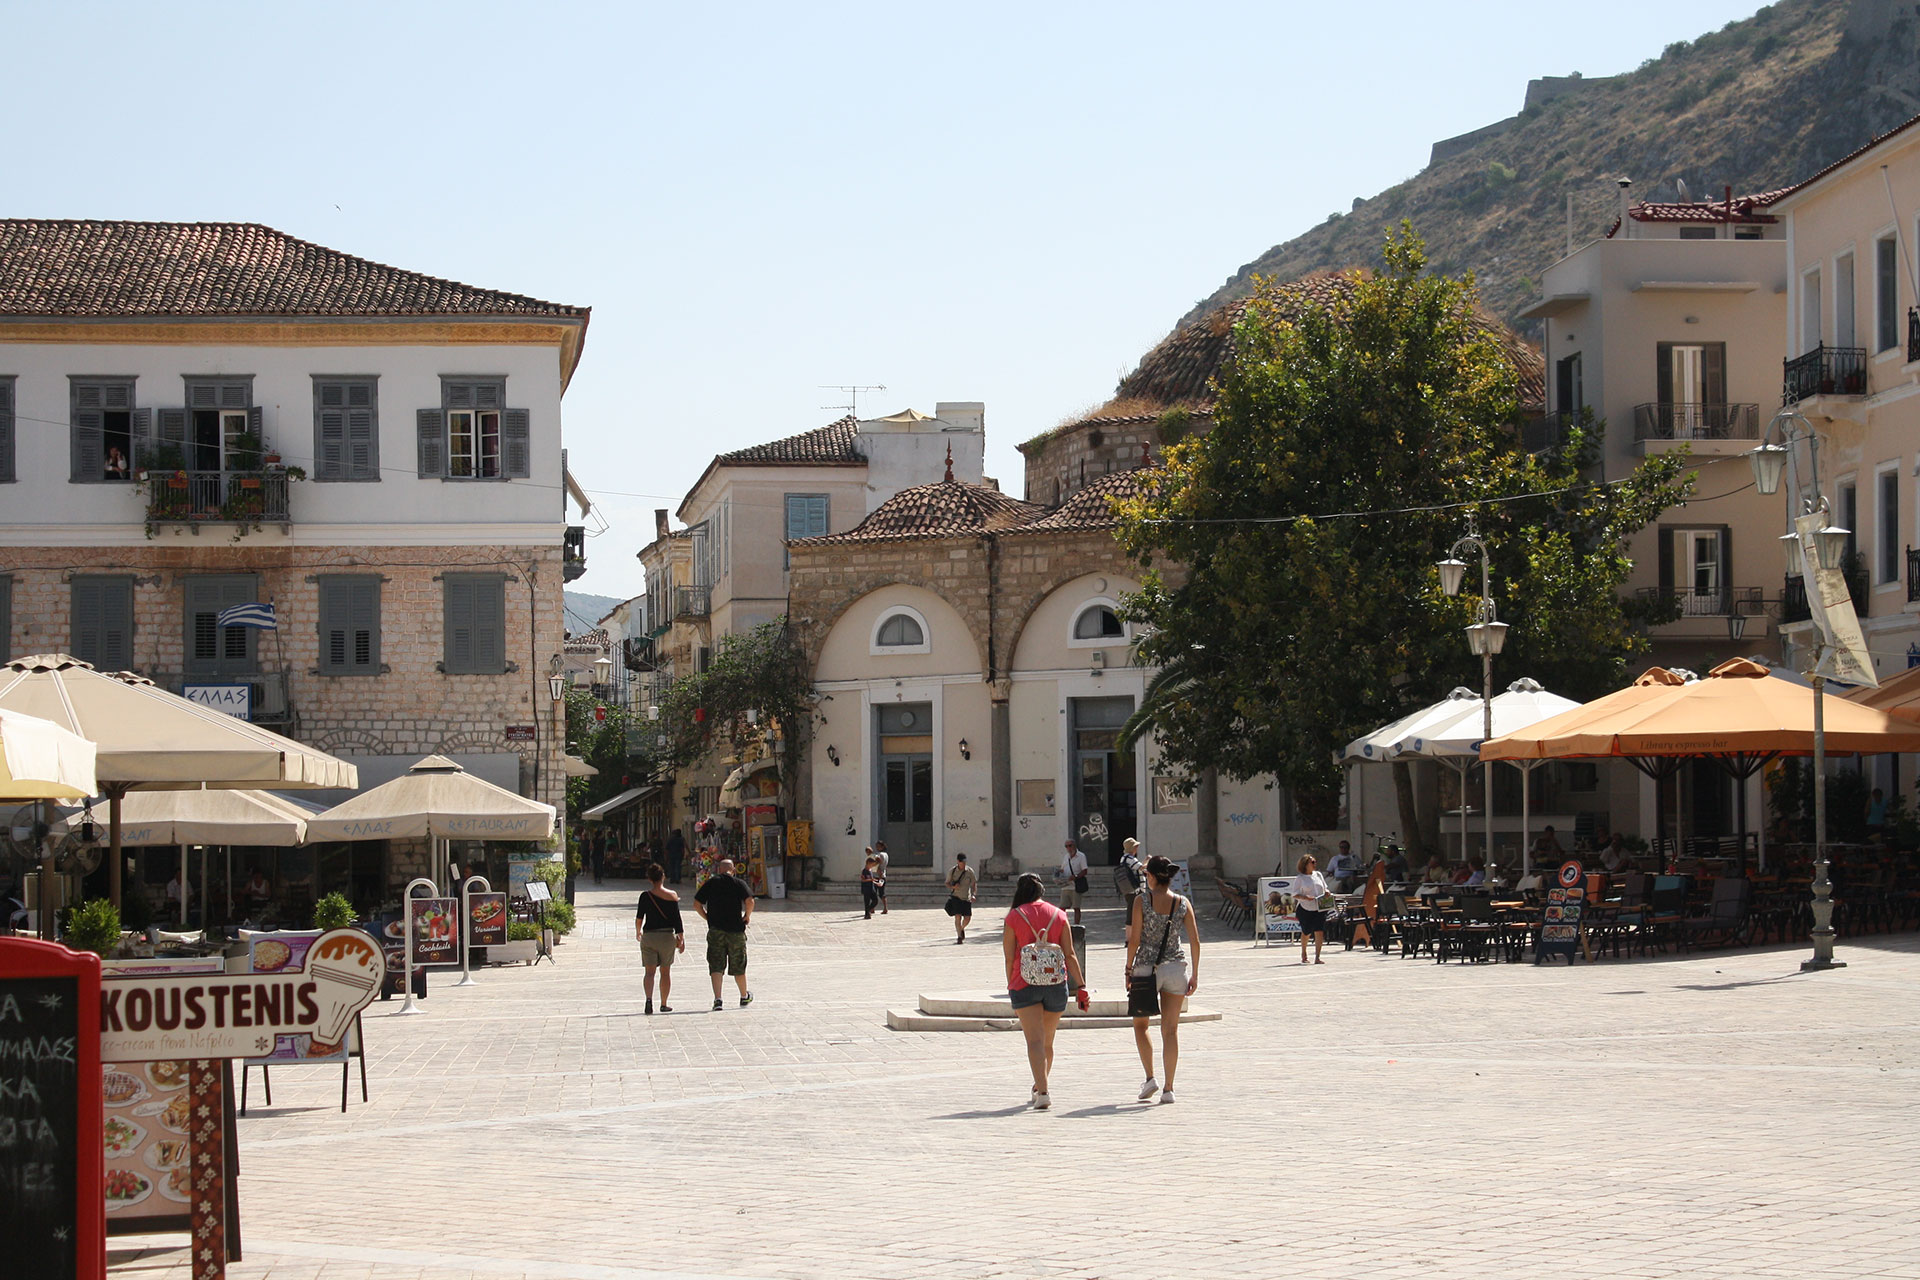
(1343, 869)
(1472, 872)
(1615, 857)
(1396, 865)
(1437, 872)
(259, 891)
(1547, 848)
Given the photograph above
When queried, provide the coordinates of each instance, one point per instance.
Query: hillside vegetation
(1759, 104)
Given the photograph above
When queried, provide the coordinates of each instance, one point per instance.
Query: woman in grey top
(1162, 919)
(963, 883)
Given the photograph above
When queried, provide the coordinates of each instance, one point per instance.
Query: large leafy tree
(758, 681)
(1356, 432)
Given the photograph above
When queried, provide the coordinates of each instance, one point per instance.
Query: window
(1098, 623)
(1846, 500)
(1569, 390)
(473, 435)
(476, 624)
(349, 624)
(6, 618)
(1843, 301)
(107, 430)
(103, 620)
(222, 425)
(1886, 294)
(1696, 568)
(1810, 330)
(1699, 233)
(900, 631)
(1887, 568)
(1692, 385)
(212, 649)
(806, 518)
(1749, 233)
(7, 474)
(346, 428)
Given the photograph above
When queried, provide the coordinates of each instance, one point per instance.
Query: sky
(1008, 203)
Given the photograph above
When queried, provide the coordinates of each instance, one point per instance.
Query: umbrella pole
(115, 863)
(1526, 816)
(186, 890)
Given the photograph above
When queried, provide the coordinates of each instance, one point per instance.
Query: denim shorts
(1169, 976)
(1051, 998)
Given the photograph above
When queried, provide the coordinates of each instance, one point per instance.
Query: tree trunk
(1412, 841)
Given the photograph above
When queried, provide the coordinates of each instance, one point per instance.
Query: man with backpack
(1132, 877)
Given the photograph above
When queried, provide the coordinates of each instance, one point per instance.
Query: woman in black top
(657, 925)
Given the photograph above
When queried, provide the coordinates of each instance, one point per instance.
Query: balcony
(1793, 593)
(194, 498)
(1546, 433)
(573, 552)
(638, 653)
(692, 602)
(1826, 371)
(1913, 575)
(1682, 420)
(1683, 602)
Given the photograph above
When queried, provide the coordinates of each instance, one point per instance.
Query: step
(993, 1011)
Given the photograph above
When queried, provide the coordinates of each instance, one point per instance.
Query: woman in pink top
(1036, 935)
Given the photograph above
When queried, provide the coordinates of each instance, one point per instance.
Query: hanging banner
(1831, 606)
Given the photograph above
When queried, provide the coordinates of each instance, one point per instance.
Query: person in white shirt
(1073, 870)
(1615, 857)
(886, 865)
(1311, 899)
(1342, 870)
(181, 894)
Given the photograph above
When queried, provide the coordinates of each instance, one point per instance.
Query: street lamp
(1769, 461)
(1485, 637)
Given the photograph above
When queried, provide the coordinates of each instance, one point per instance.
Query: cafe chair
(1724, 919)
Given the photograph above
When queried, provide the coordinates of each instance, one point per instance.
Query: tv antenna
(853, 397)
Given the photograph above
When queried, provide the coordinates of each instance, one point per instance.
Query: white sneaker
(1167, 1096)
(1041, 1101)
(1148, 1089)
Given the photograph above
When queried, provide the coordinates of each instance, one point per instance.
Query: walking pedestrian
(657, 925)
(1073, 872)
(963, 884)
(1038, 948)
(599, 855)
(1160, 976)
(726, 904)
(1133, 874)
(676, 854)
(886, 865)
(871, 883)
(1311, 898)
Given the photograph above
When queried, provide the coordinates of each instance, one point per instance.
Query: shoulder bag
(1143, 989)
(1043, 963)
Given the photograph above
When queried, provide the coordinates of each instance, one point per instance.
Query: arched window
(1098, 622)
(899, 631)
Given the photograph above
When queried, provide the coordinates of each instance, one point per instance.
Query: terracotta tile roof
(828, 446)
(1092, 506)
(951, 508)
(1847, 159)
(1733, 209)
(60, 267)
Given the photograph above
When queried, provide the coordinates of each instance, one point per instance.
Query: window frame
(475, 665)
(786, 521)
(220, 666)
(1886, 309)
(1889, 560)
(1076, 641)
(99, 661)
(346, 472)
(888, 614)
(478, 396)
(139, 423)
(333, 595)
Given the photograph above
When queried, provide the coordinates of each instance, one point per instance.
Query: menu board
(436, 940)
(287, 953)
(146, 1139)
(1274, 917)
(486, 919)
(39, 1124)
(1560, 918)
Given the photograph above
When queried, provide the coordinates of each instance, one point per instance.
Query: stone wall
(1060, 464)
(411, 708)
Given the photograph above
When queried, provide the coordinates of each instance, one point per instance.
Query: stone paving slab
(1714, 1115)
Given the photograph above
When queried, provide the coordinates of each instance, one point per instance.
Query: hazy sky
(997, 202)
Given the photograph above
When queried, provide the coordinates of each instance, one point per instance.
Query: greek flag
(248, 615)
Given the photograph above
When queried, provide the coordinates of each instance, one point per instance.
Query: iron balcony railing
(573, 552)
(1682, 420)
(1826, 371)
(1793, 595)
(1546, 433)
(691, 602)
(1913, 574)
(217, 497)
(1685, 602)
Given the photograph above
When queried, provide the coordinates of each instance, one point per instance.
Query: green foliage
(560, 917)
(1290, 638)
(549, 873)
(1173, 425)
(94, 926)
(602, 744)
(1499, 175)
(334, 912)
(1790, 798)
(760, 671)
(522, 931)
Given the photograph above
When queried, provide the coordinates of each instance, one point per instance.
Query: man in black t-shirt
(726, 904)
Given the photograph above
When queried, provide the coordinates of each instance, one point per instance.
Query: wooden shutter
(7, 472)
(139, 435)
(516, 445)
(363, 624)
(490, 625)
(350, 624)
(89, 447)
(171, 430)
(456, 395)
(431, 425)
(1666, 561)
(1663, 372)
(1713, 372)
(330, 432)
(487, 395)
(257, 425)
(459, 623)
(363, 453)
(103, 621)
(1726, 566)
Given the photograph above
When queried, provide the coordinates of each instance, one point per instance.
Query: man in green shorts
(725, 902)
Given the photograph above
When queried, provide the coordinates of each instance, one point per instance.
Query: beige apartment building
(1853, 374)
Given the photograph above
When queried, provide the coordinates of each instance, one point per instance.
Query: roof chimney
(660, 522)
(1626, 198)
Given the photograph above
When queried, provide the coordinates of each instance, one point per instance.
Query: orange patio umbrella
(1897, 695)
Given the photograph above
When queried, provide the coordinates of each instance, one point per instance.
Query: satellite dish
(1682, 184)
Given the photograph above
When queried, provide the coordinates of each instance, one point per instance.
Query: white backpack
(1042, 963)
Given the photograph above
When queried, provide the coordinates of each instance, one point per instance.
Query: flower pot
(176, 482)
(250, 482)
(525, 951)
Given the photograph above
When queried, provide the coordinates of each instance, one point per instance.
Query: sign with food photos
(436, 939)
(487, 920)
(1560, 918)
(287, 953)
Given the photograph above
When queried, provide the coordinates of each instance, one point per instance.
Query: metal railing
(217, 497)
(1826, 371)
(1793, 594)
(573, 552)
(1682, 420)
(1685, 602)
(1913, 334)
(1913, 574)
(1546, 433)
(692, 602)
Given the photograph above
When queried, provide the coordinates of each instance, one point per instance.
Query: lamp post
(1769, 460)
(1486, 637)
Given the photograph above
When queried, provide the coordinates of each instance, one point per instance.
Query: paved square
(1717, 1115)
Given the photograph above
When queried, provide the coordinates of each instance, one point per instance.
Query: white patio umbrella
(1377, 747)
(148, 739)
(41, 761)
(1457, 742)
(438, 799)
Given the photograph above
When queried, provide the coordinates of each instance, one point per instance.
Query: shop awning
(632, 795)
(730, 790)
(578, 768)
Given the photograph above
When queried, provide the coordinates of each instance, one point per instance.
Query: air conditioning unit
(269, 696)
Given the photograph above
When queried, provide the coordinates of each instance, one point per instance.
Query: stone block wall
(1062, 463)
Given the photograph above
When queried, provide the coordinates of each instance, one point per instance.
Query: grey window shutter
(201, 596)
(1666, 561)
(116, 395)
(203, 395)
(7, 472)
(1713, 372)
(490, 625)
(1663, 372)
(1726, 565)
(140, 432)
(362, 455)
(487, 395)
(516, 445)
(363, 622)
(459, 624)
(350, 625)
(257, 424)
(330, 444)
(89, 449)
(103, 622)
(172, 431)
(88, 620)
(796, 516)
(432, 427)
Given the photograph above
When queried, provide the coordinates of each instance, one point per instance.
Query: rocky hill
(1757, 105)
